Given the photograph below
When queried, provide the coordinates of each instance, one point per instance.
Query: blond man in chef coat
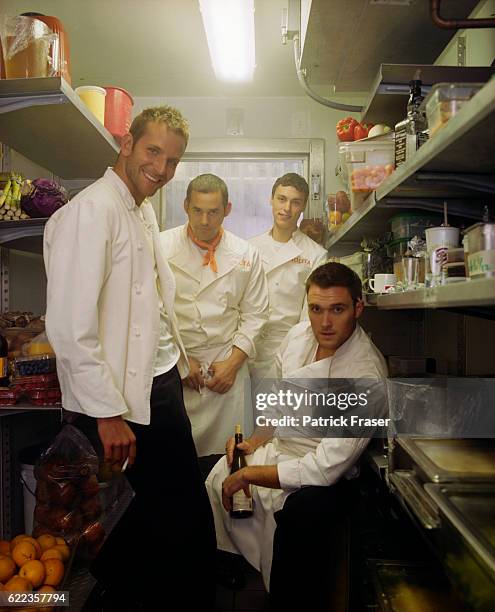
(288, 257)
(221, 305)
(120, 359)
(289, 477)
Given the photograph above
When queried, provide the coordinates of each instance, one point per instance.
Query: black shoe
(229, 571)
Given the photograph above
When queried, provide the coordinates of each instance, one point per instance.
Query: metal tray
(467, 537)
(401, 586)
(446, 460)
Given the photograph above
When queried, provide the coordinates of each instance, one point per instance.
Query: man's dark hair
(292, 180)
(333, 274)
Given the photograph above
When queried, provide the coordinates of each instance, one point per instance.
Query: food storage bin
(444, 102)
(43, 381)
(408, 225)
(338, 208)
(481, 250)
(118, 111)
(368, 163)
(33, 366)
(94, 98)
(8, 396)
(44, 397)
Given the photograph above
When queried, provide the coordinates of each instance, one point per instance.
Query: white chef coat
(217, 311)
(287, 266)
(102, 314)
(300, 461)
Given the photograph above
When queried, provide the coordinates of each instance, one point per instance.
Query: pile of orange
(32, 564)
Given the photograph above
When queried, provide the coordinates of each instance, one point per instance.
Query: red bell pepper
(360, 132)
(345, 129)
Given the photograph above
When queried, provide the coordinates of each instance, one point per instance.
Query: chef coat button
(138, 288)
(139, 246)
(137, 331)
(131, 372)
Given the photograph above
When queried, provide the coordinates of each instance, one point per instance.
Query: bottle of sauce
(242, 505)
(410, 133)
(4, 362)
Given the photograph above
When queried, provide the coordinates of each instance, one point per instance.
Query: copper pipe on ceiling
(456, 24)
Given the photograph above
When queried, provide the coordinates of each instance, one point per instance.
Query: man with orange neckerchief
(221, 303)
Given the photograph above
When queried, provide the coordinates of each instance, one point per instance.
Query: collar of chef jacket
(228, 254)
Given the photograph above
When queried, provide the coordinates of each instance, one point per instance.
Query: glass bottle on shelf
(410, 133)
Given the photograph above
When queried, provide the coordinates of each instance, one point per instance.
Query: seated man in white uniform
(221, 304)
(288, 257)
(289, 478)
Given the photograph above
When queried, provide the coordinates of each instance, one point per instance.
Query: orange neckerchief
(209, 256)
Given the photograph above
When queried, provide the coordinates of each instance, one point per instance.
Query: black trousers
(304, 547)
(163, 549)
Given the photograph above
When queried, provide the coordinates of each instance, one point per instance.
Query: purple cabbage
(44, 198)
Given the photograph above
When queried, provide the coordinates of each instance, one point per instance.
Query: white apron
(217, 311)
(253, 537)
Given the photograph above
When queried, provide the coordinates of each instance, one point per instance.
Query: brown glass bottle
(242, 505)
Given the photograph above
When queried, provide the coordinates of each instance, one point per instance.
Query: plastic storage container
(368, 162)
(118, 111)
(43, 381)
(45, 397)
(33, 366)
(94, 98)
(8, 396)
(445, 100)
(408, 225)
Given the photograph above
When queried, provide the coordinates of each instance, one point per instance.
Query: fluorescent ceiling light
(229, 27)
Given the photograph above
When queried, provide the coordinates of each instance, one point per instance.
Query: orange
(61, 541)
(17, 583)
(34, 571)
(64, 549)
(4, 547)
(47, 541)
(23, 552)
(52, 553)
(7, 568)
(54, 571)
(46, 589)
(35, 543)
(17, 539)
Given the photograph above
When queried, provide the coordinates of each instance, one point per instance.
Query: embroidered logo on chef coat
(245, 264)
(301, 260)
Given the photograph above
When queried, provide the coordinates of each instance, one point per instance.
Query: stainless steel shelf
(476, 292)
(45, 120)
(25, 235)
(458, 163)
(390, 90)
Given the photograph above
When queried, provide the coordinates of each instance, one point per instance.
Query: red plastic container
(47, 397)
(118, 111)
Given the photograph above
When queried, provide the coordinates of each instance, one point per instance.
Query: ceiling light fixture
(229, 27)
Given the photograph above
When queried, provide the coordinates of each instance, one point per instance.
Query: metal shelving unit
(475, 292)
(45, 120)
(457, 164)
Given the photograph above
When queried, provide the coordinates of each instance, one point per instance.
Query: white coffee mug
(382, 282)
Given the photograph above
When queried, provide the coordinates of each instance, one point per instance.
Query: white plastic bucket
(28, 488)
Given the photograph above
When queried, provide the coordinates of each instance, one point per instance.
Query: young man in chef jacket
(287, 538)
(288, 257)
(221, 304)
(120, 359)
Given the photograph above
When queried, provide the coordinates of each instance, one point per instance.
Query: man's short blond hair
(168, 115)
